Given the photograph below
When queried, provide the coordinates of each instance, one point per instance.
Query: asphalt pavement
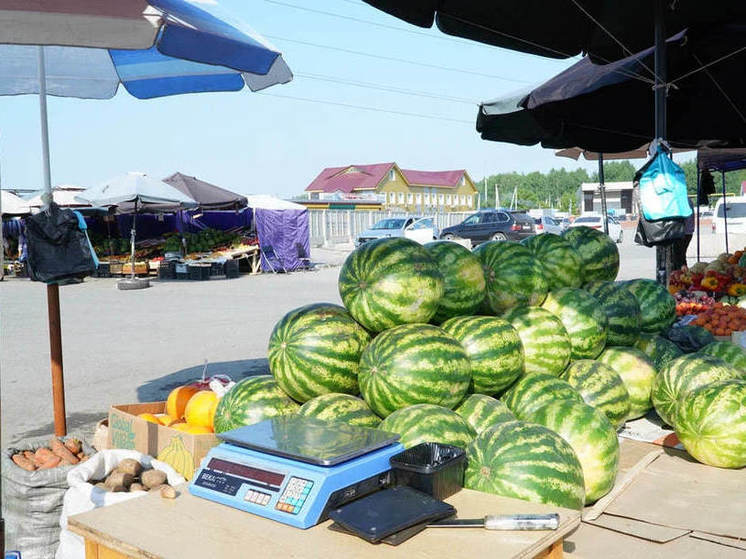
(128, 346)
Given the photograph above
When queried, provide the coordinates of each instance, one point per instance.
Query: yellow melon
(149, 417)
(178, 399)
(201, 408)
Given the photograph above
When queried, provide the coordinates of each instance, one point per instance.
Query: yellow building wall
(399, 187)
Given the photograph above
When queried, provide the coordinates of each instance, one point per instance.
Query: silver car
(420, 229)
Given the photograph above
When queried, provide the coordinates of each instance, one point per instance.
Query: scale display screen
(272, 480)
(308, 440)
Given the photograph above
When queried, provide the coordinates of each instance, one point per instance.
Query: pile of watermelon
(528, 355)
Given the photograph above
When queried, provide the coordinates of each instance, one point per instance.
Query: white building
(618, 197)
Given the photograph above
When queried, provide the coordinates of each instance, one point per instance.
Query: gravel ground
(124, 347)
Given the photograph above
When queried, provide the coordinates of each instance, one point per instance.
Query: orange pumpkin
(201, 408)
(178, 400)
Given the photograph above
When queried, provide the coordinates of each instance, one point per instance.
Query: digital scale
(295, 469)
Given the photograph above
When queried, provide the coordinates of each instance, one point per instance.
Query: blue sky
(270, 143)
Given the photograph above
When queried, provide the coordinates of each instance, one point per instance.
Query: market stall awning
(137, 192)
(64, 196)
(723, 160)
(208, 196)
(10, 204)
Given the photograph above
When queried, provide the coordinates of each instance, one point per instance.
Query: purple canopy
(283, 226)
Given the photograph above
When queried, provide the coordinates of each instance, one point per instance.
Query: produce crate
(103, 270)
(167, 270)
(199, 272)
(232, 269)
(141, 268)
(217, 269)
(115, 268)
(182, 273)
(183, 451)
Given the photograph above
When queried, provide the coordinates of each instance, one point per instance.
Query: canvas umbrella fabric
(609, 109)
(13, 205)
(208, 196)
(184, 48)
(65, 196)
(607, 30)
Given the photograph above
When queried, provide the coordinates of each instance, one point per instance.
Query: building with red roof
(390, 187)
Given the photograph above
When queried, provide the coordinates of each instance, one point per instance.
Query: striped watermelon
(546, 345)
(534, 390)
(482, 412)
(684, 374)
(426, 423)
(729, 352)
(340, 408)
(250, 401)
(390, 281)
(514, 277)
(591, 436)
(463, 277)
(622, 312)
(637, 373)
(316, 349)
(658, 349)
(413, 364)
(525, 461)
(561, 262)
(584, 319)
(711, 424)
(601, 387)
(598, 253)
(494, 350)
(657, 305)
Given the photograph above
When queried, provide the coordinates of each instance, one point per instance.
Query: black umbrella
(608, 108)
(606, 29)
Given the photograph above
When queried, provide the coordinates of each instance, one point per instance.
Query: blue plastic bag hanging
(663, 189)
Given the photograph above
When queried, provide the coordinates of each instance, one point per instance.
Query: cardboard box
(183, 451)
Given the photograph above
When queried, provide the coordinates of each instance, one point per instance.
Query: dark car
(492, 225)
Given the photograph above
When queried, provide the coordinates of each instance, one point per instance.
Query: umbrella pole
(53, 290)
(699, 183)
(132, 240)
(602, 188)
(662, 253)
(725, 211)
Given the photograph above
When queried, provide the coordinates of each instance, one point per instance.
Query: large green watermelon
(525, 461)
(711, 423)
(546, 345)
(250, 401)
(390, 281)
(684, 374)
(514, 277)
(591, 436)
(622, 312)
(534, 390)
(315, 350)
(584, 319)
(463, 279)
(601, 387)
(413, 364)
(657, 305)
(729, 352)
(482, 412)
(494, 349)
(561, 262)
(658, 349)
(340, 408)
(426, 423)
(599, 254)
(637, 373)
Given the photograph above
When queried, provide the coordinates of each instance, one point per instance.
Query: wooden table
(189, 527)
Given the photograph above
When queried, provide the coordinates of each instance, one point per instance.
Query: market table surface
(190, 527)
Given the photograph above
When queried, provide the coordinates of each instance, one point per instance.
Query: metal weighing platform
(294, 469)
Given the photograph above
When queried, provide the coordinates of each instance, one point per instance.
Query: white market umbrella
(63, 196)
(10, 204)
(136, 192)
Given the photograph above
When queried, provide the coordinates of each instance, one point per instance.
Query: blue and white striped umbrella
(194, 51)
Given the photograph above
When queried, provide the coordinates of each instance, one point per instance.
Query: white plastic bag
(84, 496)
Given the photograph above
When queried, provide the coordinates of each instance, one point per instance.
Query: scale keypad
(257, 497)
(295, 494)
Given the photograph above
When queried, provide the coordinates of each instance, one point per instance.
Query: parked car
(735, 211)
(546, 224)
(594, 221)
(495, 225)
(420, 229)
(566, 221)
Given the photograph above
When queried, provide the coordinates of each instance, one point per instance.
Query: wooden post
(55, 354)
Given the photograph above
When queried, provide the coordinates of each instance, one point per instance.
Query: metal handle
(522, 521)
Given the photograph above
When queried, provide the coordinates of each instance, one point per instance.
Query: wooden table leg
(554, 551)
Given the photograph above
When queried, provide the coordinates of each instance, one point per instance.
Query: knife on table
(503, 522)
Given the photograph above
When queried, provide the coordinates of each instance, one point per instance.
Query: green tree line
(558, 187)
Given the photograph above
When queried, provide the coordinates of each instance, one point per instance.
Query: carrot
(22, 462)
(29, 455)
(42, 455)
(51, 463)
(73, 445)
(61, 450)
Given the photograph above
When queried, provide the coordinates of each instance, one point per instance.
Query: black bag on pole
(58, 249)
(656, 232)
